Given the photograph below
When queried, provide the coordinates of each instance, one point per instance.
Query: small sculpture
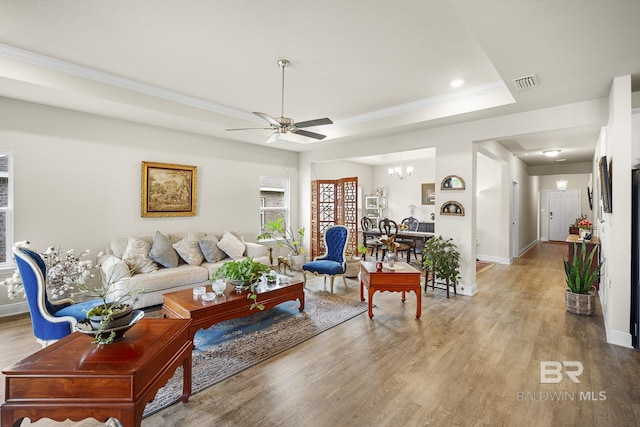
(284, 263)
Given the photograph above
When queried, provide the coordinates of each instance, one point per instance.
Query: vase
(118, 319)
(297, 261)
(391, 259)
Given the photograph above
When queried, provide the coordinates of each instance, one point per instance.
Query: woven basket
(584, 304)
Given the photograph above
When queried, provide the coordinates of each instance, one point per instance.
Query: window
(6, 208)
(274, 199)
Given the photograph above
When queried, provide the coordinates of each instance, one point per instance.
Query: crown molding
(88, 73)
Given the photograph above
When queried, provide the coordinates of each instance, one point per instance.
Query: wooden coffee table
(75, 379)
(402, 277)
(203, 314)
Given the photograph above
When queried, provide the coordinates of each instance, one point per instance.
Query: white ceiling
(372, 66)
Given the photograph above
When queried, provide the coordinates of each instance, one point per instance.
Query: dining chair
(389, 227)
(371, 243)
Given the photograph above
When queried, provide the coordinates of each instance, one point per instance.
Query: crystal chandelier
(400, 172)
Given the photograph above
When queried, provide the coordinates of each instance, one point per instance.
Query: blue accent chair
(333, 263)
(50, 321)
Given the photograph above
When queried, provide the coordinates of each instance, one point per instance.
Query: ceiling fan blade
(274, 137)
(268, 118)
(309, 134)
(249, 129)
(316, 122)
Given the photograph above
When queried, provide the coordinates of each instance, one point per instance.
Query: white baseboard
(491, 258)
(468, 290)
(15, 308)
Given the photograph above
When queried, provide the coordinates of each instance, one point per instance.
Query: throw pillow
(210, 249)
(162, 252)
(137, 255)
(231, 246)
(189, 249)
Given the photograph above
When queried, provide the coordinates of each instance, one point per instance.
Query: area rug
(483, 266)
(232, 346)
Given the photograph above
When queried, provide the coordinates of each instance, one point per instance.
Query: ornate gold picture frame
(168, 190)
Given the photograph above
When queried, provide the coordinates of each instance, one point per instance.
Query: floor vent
(525, 82)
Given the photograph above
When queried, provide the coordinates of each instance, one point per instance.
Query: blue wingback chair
(333, 263)
(50, 321)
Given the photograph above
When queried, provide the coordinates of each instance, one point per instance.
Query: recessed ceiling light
(561, 160)
(456, 83)
(551, 153)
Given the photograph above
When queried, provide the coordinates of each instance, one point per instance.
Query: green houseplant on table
(581, 275)
(284, 236)
(243, 274)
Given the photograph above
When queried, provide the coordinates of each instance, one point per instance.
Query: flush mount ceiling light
(456, 83)
(561, 184)
(551, 153)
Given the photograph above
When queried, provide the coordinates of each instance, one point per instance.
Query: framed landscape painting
(168, 190)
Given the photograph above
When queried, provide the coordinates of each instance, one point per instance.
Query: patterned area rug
(483, 266)
(232, 346)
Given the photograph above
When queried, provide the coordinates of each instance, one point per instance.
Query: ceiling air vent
(525, 82)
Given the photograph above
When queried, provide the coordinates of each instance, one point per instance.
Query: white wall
(574, 182)
(615, 236)
(490, 245)
(401, 193)
(77, 177)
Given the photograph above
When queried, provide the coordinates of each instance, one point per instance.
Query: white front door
(564, 208)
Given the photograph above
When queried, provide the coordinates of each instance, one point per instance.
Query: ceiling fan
(283, 124)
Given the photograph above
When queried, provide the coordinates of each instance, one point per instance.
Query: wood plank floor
(469, 361)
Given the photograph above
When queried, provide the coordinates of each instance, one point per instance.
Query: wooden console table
(402, 278)
(75, 379)
(593, 243)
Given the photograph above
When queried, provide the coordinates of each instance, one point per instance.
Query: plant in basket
(581, 274)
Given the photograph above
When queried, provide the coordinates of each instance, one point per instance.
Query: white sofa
(142, 253)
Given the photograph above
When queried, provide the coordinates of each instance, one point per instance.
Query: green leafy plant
(442, 258)
(580, 273)
(112, 302)
(245, 273)
(284, 236)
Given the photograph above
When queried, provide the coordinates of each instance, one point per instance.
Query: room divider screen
(333, 202)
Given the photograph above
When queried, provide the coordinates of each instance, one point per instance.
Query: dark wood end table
(402, 277)
(75, 379)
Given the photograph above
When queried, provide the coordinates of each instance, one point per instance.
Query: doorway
(564, 208)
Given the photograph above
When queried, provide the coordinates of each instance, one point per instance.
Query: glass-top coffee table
(232, 305)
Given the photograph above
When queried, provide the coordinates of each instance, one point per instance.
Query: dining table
(419, 237)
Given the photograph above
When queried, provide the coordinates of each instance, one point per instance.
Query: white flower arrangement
(63, 272)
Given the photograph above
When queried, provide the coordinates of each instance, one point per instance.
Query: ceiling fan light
(551, 153)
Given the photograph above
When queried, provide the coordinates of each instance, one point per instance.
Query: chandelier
(400, 172)
(561, 184)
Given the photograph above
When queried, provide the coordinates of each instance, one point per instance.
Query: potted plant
(442, 260)
(353, 261)
(285, 237)
(243, 274)
(116, 308)
(580, 277)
